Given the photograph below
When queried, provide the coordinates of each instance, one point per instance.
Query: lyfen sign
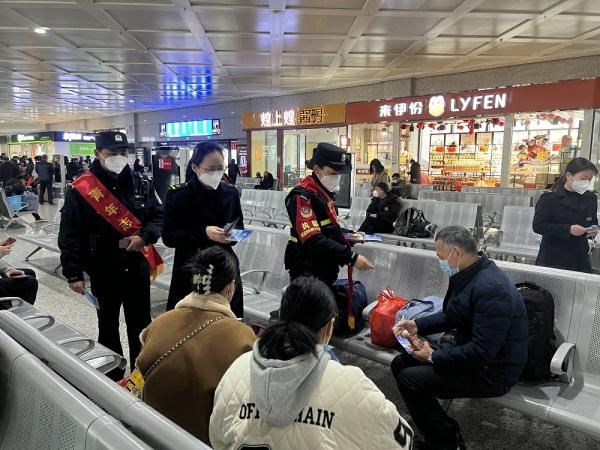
(564, 95)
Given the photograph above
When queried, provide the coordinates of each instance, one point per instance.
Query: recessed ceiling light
(131, 100)
(40, 30)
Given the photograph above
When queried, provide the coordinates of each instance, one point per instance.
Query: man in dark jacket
(45, 173)
(91, 239)
(490, 326)
(382, 212)
(233, 171)
(415, 172)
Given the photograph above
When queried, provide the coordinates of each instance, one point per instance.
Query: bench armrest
(368, 309)
(90, 343)
(49, 321)
(562, 362)
(257, 290)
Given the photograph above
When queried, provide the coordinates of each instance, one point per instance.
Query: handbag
(383, 318)
(350, 319)
(416, 309)
(136, 381)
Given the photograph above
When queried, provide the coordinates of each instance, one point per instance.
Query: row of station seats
(414, 273)
(572, 400)
(52, 399)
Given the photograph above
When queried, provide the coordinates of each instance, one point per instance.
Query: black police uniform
(189, 209)
(555, 212)
(317, 246)
(88, 243)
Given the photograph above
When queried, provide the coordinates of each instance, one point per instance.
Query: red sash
(116, 214)
(310, 184)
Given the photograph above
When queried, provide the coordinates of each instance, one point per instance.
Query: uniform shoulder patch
(177, 186)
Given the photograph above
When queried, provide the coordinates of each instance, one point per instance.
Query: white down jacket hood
(307, 402)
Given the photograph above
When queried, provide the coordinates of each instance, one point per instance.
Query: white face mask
(580, 186)
(375, 194)
(115, 163)
(211, 179)
(330, 182)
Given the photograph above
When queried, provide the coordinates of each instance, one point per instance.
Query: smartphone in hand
(230, 226)
(11, 240)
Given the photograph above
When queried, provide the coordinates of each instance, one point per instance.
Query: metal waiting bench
(85, 348)
(357, 213)
(517, 238)
(492, 205)
(535, 193)
(146, 425)
(441, 214)
(266, 207)
(39, 409)
(572, 399)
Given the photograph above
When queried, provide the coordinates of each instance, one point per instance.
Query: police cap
(331, 156)
(111, 140)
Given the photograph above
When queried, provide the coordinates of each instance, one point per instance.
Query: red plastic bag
(383, 318)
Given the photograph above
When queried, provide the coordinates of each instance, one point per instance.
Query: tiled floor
(484, 425)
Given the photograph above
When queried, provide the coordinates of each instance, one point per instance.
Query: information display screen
(207, 127)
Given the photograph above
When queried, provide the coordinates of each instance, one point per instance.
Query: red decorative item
(383, 318)
(501, 124)
(403, 126)
(452, 148)
(421, 125)
(431, 125)
(460, 127)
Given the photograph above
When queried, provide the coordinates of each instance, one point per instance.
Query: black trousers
(127, 285)
(376, 225)
(24, 287)
(45, 185)
(420, 384)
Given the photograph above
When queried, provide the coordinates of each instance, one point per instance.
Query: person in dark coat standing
(195, 215)
(45, 173)
(566, 218)
(415, 172)
(119, 272)
(382, 212)
(233, 171)
(489, 322)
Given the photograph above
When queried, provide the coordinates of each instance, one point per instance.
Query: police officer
(317, 245)
(90, 241)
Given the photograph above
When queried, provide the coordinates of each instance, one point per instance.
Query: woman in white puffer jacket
(288, 394)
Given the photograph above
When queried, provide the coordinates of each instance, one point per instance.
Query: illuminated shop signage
(564, 95)
(437, 105)
(70, 136)
(302, 116)
(209, 127)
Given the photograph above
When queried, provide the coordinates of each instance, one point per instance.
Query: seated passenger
(490, 326)
(382, 212)
(20, 283)
(288, 393)
(399, 186)
(266, 182)
(182, 385)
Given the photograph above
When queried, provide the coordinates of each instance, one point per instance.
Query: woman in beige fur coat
(182, 384)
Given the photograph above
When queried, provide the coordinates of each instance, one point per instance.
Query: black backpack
(541, 341)
(412, 223)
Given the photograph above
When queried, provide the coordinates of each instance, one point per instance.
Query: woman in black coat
(382, 212)
(195, 215)
(566, 218)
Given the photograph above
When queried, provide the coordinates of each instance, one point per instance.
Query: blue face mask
(445, 266)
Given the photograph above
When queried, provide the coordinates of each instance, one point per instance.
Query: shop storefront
(517, 137)
(51, 143)
(281, 141)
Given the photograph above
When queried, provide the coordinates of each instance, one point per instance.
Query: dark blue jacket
(555, 212)
(490, 321)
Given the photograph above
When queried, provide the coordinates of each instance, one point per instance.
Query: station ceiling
(67, 59)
